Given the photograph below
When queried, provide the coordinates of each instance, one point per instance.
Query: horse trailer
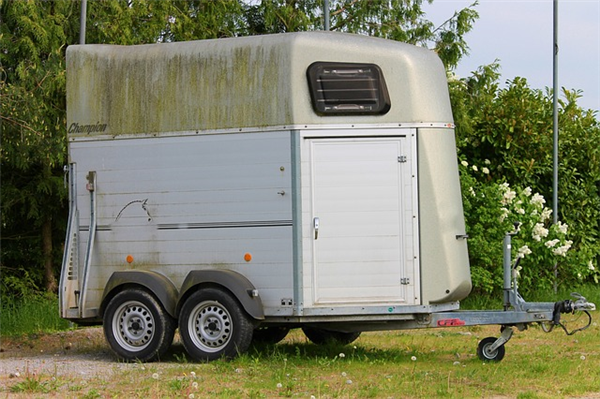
(236, 188)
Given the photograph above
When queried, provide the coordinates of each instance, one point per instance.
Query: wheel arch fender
(157, 284)
(238, 285)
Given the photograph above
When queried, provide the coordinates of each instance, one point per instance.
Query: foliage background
(509, 127)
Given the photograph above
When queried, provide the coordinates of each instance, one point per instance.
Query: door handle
(316, 227)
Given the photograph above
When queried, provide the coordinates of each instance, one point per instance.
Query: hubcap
(133, 326)
(210, 326)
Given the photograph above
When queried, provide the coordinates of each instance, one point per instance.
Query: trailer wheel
(270, 335)
(484, 353)
(213, 325)
(321, 336)
(137, 327)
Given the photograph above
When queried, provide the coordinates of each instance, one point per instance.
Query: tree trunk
(51, 284)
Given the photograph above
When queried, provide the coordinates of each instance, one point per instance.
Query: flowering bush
(493, 209)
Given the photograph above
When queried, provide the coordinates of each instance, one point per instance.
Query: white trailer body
(310, 177)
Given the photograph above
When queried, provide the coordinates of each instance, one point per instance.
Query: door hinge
(402, 158)
(405, 281)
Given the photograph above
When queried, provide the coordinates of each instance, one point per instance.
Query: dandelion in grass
(191, 396)
(279, 385)
(413, 358)
(193, 374)
(348, 382)
(582, 357)
(195, 385)
(344, 374)
(155, 376)
(342, 355)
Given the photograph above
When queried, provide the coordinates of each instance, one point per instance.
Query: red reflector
(450, 323)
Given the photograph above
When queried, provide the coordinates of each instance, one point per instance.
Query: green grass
(29, 316)
(378, 365)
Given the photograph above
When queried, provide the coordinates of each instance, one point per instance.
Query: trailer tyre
(270, 335)
(137, 327)
(484, 353)
(213, 325)
(321, 336)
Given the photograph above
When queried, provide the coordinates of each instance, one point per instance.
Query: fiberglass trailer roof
(124, 90)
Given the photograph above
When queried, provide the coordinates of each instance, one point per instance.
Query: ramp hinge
(405, 281)
(402, 158)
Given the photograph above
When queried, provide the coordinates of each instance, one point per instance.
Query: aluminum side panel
(178, 204)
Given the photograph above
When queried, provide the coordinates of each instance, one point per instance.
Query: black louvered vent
(347, 88)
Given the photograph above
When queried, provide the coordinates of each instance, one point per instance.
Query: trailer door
(363, 220)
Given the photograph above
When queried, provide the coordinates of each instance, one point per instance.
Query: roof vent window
(347, 89)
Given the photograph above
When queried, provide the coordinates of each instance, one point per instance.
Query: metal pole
(326, 14)
(555, 131)
(82, 21)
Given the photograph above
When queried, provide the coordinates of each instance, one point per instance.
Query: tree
(509, 132)
(34, 35)
(32, 43)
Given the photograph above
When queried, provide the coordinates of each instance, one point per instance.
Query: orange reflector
(247, 257)
(129, 258)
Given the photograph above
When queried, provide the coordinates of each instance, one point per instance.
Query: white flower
(487, 162)
(546, 213)
(464, 163)
(155, 376)
(582, 357)
(485, 171)
(348, 382)
(413, 358)
(344, 374)
(538, 200)
(527, 191)
(195, 385)
(508, 197)
(504, 215)
(539, 231)
(521, 211)
(342, 355)
(562, 227)
(191, 396)
(562, 250)
(279, 385)
(517, 271)
(591, 266)
(524, 251)
(472, 192)
(474, 168)
(193, 374)
(551, 243)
